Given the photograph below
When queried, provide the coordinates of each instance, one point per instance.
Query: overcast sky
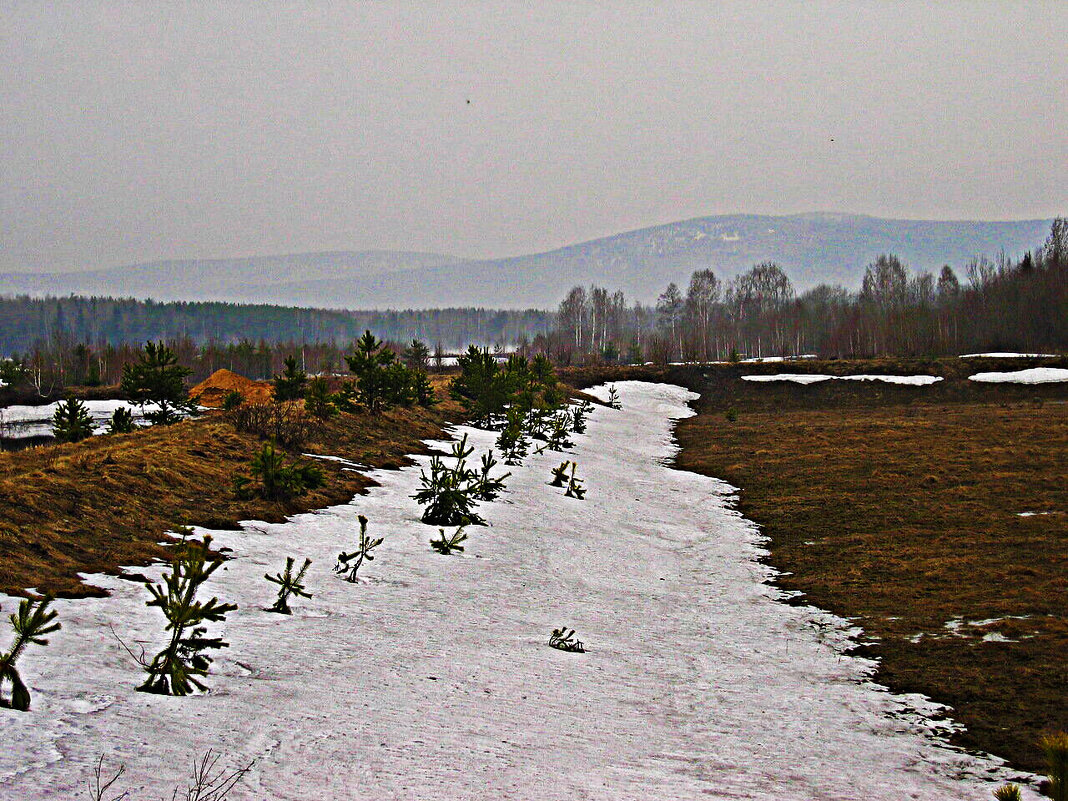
(137, 132)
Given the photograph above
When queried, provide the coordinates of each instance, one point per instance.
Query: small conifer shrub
(231, 400)
(731, 414)
(71, 421)
(564, 639)
(318, 400)
(485, 487)
(31, 623)
(290, 384)
(349, 563)
(177, 669)
(288, 584)
(578, 417)
(121, 421)
(276, 480)
(448, 494)
(513, 441)
(559, 426)
(574, 485)
(613, 398)
(559, 475)
(445, 545)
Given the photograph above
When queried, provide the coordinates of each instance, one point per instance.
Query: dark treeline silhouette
(58, 342)
(1001, 305)
(26, 321)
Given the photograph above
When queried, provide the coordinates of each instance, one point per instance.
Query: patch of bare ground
(899, 507)
(108, 501)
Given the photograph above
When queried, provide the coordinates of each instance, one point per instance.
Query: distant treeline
(26, 322)
(1001, 305)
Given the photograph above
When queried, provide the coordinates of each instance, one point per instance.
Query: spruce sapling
(357, 557)
(31, 623)
(446, 545)
(175, 669)
(574, 485)
(559, 475)
(288, 584)
(564, 639)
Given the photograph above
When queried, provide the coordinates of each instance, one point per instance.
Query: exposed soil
(899, 506)
(107, 501)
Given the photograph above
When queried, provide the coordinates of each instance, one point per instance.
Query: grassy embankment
(107, 502)
(899, 506)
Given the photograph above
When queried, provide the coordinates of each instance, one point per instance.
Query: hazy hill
(812, 248)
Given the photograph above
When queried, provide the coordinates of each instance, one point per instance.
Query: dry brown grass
(105, 502)
(898, 506)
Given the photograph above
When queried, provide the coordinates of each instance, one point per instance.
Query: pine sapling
(1055, 747)
(559, 426)
(449, 494)
(288, 584)
(513, 441)
(559, 475)
(349, 563)
(579, 415)
(1008, 792)
(175, 669)
(486, 488)
(564, 639)
(31, 623)
(446, 545)
(613, 398)
(574, 485)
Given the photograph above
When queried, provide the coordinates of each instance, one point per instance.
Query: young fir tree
(71, 421)
(157, 378)
(288, 584)
(177, 669)
(416, 356)
(448, 494)
(289, 385)
(121, 421)
(276, 480)
(484, 487)
(318, 401)
(349, 563)
(31, 623)
(445, 545)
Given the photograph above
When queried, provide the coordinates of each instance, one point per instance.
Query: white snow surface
(1007, 355)
(432, 679)
(812, 378)
(1036, 375)
(28, 421)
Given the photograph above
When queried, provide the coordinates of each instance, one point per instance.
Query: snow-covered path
(433, 680)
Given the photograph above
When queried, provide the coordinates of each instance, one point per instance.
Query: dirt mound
(215, 387)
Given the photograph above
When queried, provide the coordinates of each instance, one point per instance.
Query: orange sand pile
(215, 387)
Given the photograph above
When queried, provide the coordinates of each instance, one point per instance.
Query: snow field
(432, 678)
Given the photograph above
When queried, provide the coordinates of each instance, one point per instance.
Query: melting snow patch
(796, 378)
(1008, 356)
(433, 679)
(1036, 375)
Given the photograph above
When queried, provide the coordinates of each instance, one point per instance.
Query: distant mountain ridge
(812, 248)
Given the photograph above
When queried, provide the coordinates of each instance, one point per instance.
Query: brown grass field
(898, 506)
(106, 502)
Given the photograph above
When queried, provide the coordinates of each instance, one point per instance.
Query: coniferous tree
(563, 639)
(177, 669)
(157, 378)
(349, 563)
(31, 623)
(289, 385)
(288, 584)
(121, 421)
(318, 401)
(416, 356)
(71, 421)
(382, 380)
(445, 545)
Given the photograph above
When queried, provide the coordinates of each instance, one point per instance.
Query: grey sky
(137, 132)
